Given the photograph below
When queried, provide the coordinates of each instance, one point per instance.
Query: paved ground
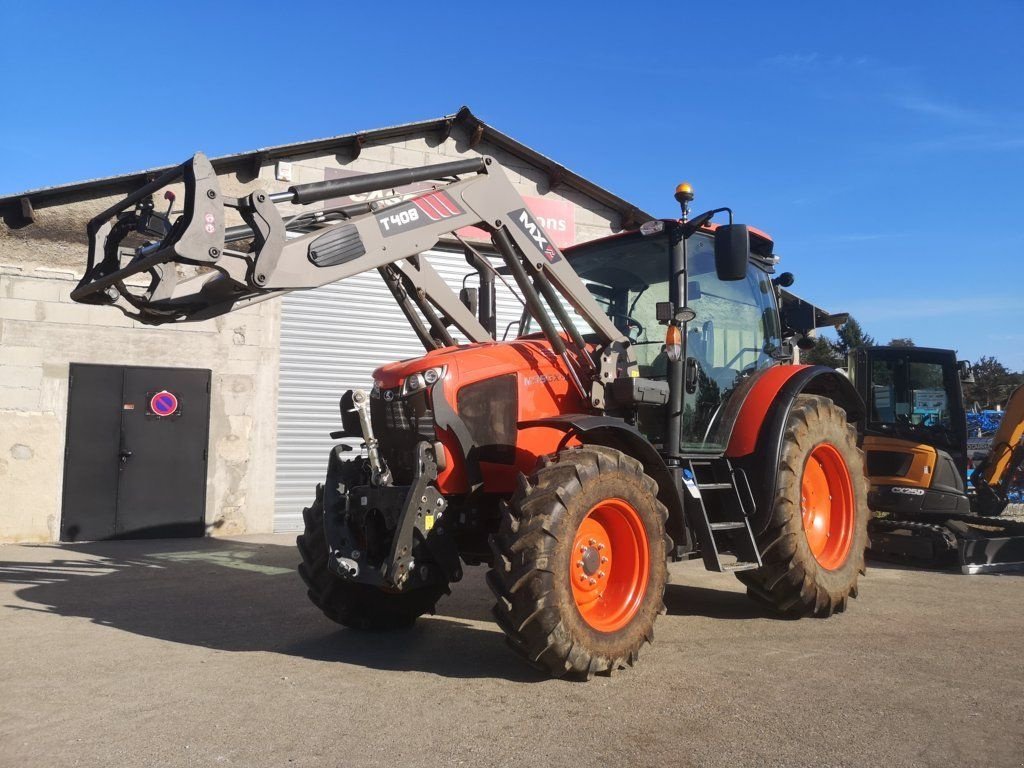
(199, 653)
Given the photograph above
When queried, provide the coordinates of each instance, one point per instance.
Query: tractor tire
(358, 606)
(579, 565)
(812, 550)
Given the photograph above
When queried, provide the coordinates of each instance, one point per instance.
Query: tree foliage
(824, 353)
(993, 383)
(850, 336)
(903, 341)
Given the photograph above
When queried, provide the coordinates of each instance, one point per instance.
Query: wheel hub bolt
(592, 582)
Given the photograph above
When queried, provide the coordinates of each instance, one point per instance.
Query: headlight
(417, 381)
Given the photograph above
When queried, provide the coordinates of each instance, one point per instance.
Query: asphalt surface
(205, 652)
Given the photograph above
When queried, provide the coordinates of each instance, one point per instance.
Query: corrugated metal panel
(332, 339)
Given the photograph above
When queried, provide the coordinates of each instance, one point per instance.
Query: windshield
(910, 393)
(736, 328)
(627, 276)
(737, 325)
(735, 331)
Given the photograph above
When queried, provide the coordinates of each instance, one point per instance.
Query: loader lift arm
(315, 248)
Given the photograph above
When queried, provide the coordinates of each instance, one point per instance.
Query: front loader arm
(197, 270)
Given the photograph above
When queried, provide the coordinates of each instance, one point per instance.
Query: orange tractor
(647, 411)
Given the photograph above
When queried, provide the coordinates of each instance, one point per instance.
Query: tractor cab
(720, 333)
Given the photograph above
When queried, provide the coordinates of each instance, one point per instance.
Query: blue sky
(881, 144)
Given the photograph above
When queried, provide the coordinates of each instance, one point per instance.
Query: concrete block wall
(42, 331)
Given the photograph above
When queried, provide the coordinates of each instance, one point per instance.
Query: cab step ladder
(719, 505)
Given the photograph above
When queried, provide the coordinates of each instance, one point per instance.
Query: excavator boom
(993, 477)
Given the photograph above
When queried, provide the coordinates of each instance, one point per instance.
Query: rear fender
(759, 433)
(615, 433)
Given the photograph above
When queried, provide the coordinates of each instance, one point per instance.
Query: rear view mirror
(732, 251)
(470, 298)
(784, 280)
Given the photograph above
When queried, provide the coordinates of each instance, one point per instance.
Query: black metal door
(135, 464)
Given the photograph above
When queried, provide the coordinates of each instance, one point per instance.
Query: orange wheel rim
(610, 565)
(826, 505)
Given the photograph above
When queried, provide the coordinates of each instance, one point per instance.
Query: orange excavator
(931, 508)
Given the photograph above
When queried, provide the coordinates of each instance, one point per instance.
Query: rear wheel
(813, 547)
(579, 563)
(358, 606)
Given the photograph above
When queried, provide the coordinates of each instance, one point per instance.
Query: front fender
(616, 433)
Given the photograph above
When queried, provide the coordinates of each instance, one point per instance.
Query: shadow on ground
(241, 596)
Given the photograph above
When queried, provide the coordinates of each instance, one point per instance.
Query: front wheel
(579, 563)
(357, 606)
(813, 547)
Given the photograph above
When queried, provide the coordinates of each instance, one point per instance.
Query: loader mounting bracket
(389, 536)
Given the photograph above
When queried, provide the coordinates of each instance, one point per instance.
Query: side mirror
(470, 298)
(732, 251)
(784, 280)
(966, 371)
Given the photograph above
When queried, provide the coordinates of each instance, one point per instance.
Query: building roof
(476, 128)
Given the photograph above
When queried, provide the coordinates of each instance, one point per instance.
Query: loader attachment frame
(270, 255)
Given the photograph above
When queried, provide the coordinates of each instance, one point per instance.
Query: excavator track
(976, 543)
(911, 542)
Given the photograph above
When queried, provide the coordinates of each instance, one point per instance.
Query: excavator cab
(914, 436)
(915, 429)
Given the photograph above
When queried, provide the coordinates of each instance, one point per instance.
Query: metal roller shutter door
(332, 339)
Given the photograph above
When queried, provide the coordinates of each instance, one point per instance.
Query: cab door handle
(691, 375)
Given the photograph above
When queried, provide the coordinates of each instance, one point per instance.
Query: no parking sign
(164, 404)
